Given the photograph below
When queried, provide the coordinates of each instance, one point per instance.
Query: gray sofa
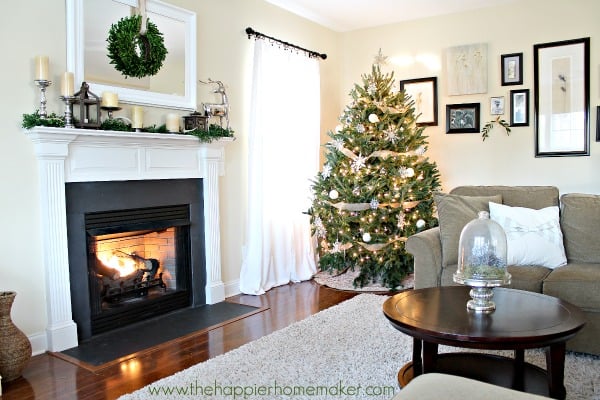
(577, 282)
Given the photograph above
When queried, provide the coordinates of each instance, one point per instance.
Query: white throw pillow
(533, 237)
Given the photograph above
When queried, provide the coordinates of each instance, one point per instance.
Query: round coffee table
(522, 320)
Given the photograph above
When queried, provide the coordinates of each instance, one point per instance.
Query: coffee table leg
(417, 361)
(430, 351)
(555, 366)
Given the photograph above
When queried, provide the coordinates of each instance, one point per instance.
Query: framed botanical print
(512, 69)
(462, 118)
(562, 98)
(519, 107)
(423, 92)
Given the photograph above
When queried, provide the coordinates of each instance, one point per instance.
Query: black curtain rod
(251, 32)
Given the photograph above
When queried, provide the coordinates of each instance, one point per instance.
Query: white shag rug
(348, 351)
(345, 281)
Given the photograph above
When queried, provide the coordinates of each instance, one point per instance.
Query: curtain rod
(251, 32)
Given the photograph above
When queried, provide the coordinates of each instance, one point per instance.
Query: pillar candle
(41, 68)
(137, 117)
(173, 122)
(67, 85)
(110, 99)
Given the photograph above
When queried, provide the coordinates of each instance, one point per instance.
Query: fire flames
(121, 264)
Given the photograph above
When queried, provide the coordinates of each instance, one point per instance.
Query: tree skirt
(345, 282)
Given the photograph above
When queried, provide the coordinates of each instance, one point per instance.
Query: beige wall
(224, 53)
(514, 28)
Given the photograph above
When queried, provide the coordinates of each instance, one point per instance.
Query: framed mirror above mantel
(88, 25)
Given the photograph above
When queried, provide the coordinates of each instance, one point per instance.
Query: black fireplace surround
(104, 208)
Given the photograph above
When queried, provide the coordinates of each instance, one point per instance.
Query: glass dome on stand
(482, 261)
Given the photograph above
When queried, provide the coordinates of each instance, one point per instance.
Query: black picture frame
(463, 118)
(511, 66)
(423, 92)
(562, 98)
(597, 123)
(519, 107)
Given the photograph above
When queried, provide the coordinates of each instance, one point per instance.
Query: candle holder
(110, 110)
(43, 84)
(68, 100)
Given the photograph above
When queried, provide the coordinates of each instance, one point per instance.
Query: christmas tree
(376, 186)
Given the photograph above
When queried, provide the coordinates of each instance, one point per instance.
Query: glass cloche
(482, 261)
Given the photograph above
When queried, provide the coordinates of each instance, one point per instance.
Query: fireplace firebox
(135, 250)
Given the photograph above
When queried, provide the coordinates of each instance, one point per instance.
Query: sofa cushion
(454, 212)
(580, 220)
(533, 236)
(517, 196)
(577, 283)
(528, 277)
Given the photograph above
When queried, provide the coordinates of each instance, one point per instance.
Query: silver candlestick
(43, 84)
(68, 100)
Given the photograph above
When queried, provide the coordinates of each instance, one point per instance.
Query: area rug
(349, 351)
(345, 281)
(118, 345)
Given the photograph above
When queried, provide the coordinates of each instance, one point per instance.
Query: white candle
(137, 117)
(110, 99)
(41, 68)
(67, 85)
(172, 122)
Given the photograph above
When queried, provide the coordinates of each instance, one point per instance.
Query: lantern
(88, 114)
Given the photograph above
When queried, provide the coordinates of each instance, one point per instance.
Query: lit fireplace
(136, 250)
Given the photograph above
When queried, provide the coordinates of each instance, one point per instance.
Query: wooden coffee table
(522, 320)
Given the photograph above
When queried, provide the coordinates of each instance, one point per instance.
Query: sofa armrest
(426, 248)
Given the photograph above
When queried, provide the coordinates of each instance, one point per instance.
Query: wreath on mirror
(132, 53)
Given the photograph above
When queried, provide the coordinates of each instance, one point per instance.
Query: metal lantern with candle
(89, 108)
(482, 261)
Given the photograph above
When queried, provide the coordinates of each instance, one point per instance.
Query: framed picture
(497, 105)
(423, 92)
(562, 98)
(512, 69)
(519, 107)
(462, 118)
(467, 68)
(597, 123)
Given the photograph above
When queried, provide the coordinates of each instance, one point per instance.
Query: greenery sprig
(133, 54)
(214, 132)
(485, 132)
(31, 120)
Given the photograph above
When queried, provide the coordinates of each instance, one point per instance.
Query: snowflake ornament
(360, 128)
(326, 173)
(374, 204)
(420, 150)
(338, 144)
(372, 89)
(390, 135)
(359, 163)
(337, 247)
(320, 230)
(401, 220)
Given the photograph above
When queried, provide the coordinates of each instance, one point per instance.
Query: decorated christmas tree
(376, 186)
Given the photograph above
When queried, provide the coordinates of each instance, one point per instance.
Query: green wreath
(133, 54)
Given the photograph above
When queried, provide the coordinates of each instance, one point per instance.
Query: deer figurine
(221, 109)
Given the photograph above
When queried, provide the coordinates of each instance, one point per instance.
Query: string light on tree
(376, 187)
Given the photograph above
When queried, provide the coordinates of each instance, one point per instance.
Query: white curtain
(283, 158)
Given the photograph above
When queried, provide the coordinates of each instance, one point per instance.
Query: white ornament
(373, 118)
(358, 163)
(366, 237)
(338, 128)
(374, 204)
(420, 223)
(360, 128)
(334, 194)
(326, 173)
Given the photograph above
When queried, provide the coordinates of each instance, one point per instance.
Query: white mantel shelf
(84, 155)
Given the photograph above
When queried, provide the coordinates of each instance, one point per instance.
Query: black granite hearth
(114, 346)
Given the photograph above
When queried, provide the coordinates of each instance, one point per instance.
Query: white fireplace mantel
(82, 155)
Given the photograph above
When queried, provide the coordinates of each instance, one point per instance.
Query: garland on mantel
(214, 131)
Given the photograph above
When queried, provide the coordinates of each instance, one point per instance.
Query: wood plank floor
(48, 377)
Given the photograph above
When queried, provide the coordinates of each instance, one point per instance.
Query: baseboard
(232, 288)
(39, 343)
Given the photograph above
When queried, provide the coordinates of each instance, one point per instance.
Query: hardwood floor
(48, 377)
